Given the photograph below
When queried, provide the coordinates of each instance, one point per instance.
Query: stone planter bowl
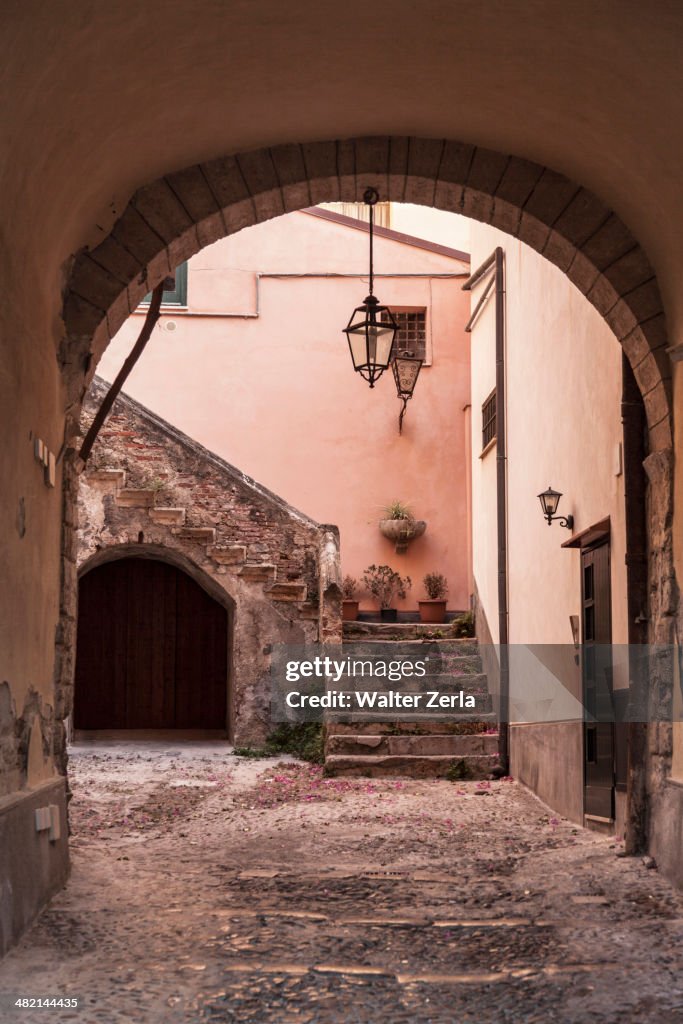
(402, 531)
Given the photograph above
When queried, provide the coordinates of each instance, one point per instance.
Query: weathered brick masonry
(149, 490)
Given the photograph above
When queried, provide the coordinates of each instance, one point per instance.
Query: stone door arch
(153, 649)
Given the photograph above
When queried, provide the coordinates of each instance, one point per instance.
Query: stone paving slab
(209, 888)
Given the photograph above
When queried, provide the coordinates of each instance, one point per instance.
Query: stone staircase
(232, 558)
(442, 746)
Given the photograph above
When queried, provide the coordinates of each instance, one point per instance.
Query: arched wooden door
(152, 650)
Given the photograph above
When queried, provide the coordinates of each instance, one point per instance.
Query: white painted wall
(438, 226)
(564, 428)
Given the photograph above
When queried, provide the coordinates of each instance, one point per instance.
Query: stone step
(132, 497)
(403, 631)
(481, 711)
(202, 534)
(167, 516)
(443, 678)
(232, 554)
(471, 766)
(258, 572)
(115, 477)
(466, 663)
(458, 659)
(445, 744)
(426, 727)
(471, 686)
(287, 592)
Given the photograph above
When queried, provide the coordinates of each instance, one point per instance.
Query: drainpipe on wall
(495, 267)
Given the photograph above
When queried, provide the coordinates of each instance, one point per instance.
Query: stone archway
(169, 220)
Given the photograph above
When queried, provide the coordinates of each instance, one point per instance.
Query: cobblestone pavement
(207, 888)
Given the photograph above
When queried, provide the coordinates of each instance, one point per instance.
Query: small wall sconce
(549, 500)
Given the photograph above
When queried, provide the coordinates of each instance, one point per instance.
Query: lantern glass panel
(550, 499)
(358, 348)
(382, 342)
(371, 343)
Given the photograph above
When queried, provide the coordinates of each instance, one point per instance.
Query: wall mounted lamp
(549, 500)
(371, 331)
(406, 369)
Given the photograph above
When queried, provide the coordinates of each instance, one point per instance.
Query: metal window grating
(488, 420)
(412, 332)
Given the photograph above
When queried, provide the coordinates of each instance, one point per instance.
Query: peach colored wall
(276, 395)
(427, 222)
(564, 429)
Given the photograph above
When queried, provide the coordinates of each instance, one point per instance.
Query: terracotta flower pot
(432, 611)
(350, 610)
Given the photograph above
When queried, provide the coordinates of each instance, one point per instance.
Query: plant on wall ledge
(434, 608)
(397, 510)
(399, 525)
(385, 584)
(349, 601)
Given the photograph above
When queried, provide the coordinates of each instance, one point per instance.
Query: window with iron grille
(412, 332)
(488, 420)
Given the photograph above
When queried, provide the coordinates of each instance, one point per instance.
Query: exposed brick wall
(150, 490)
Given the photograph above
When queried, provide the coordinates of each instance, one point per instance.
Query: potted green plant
(399, 525)
(349, 602)
(434, 608)
(385, 584)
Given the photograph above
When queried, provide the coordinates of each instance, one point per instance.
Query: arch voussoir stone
(372, 166)
(260, 178)
(192, 190)
(320, 161)
(290, 168)
(169, 220)
(609, 243)
(161, 209)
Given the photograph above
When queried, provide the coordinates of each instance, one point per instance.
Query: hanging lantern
(371, 331)
(406, 369)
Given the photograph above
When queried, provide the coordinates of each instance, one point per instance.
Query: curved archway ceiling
(170, 219)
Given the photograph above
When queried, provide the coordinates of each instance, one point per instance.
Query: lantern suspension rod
(370, 197)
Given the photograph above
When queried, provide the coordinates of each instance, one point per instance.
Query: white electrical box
(49, 820)
(55, 823)
(43, 819)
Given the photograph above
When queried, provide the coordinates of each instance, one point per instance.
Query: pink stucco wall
(258, 370)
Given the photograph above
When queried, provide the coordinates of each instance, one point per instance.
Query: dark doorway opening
(152, 650)
(597, 682)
